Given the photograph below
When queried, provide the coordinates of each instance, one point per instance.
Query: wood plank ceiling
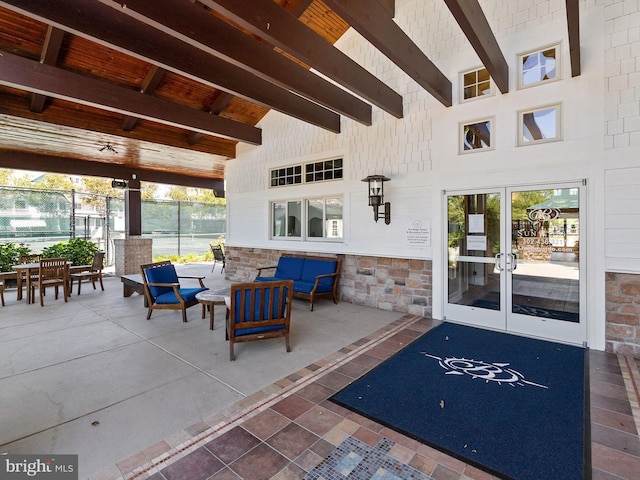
(166, 89)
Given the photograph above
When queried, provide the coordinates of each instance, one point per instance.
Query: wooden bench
(133, 284)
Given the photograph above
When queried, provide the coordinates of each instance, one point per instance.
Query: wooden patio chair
(259, 310)
(53, 272)
(28, 258)
(162, 289)
(218, 256)
(93, 274)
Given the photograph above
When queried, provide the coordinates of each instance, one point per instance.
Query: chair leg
(101, 285)
(149, 313)
(2, 297)
(287, 342)
(232, 355)
(184, 315)
(79, 285)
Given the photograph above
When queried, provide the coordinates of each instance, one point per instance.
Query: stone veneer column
(623, 313)
(131, 253)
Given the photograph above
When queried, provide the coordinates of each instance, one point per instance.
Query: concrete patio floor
(93, 377)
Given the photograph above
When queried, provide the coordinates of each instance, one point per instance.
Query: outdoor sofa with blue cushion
(258, 310)
(312, 276)
(162, 288)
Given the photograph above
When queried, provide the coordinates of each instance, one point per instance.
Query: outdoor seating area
(185, 401)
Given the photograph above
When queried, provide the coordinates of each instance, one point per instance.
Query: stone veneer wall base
(623, 313)
(392, 284)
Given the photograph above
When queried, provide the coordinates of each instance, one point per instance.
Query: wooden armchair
(259, 310)
(93, 274)
(53, 272)
(162, 289)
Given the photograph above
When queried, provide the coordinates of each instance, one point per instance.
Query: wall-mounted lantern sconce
(376, 197)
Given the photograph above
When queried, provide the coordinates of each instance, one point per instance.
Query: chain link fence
(40, 218)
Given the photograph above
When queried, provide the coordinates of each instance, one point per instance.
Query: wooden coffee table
(209, 298)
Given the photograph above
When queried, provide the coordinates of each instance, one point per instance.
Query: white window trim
(461, 125)
(303, 220)
(492, 89)
(558, 77)
(303, 166)
(557, 138)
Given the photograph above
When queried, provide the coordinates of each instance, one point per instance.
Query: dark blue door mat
(355, 460)
(513, 406)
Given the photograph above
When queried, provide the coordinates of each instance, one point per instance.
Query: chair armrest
(194, 277)
(320, 277)
(265, 268)
(164, 285)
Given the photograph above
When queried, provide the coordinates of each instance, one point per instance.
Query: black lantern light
(376, 197)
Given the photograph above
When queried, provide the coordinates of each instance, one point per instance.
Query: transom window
(475, 136)
(476, 83)
(539, 66)
(320, 171)
(322, 218)
(540, 125)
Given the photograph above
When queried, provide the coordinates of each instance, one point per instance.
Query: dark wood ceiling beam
(50, 52)
(50, 163)
(216, 108)
(211, 34)
(374, 23)
(134, 38)
(274, 24)
(573, 27)
(389, 7)
(475, 26)
(149, 84)
(19, 72)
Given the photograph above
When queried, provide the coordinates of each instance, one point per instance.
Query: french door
(514, 260)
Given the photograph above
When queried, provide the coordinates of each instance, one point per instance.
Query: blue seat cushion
(258, 330)
(188, 294)
(289, 268)
(268, 279)
(313, 268)
(306, 287)
(163, 274)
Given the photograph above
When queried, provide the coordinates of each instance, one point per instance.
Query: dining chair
(95, 273)
(27, 258)
(53, 272)
(218, 256)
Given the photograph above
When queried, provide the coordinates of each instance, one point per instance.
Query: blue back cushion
(163, 274)
(257, 315)
(313, 267)
(289, 268)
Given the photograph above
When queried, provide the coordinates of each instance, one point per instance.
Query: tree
(148, 191)
(54, 181)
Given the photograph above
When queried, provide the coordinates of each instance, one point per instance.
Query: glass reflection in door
(473, 250)
(545, 237)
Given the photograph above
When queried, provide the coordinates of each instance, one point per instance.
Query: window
(327, 170)
(539, 66)
(539, 126)
(286, 176)
(475, 136)
(322, 219)
(476, 83)
(313, 172)
(287, 219)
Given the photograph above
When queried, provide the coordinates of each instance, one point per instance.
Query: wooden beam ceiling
(130, 36)
(475, 26)
(277, 26)
(21, 73)
(49, 56)
(573, 27)
(211, 34)
(373, 23)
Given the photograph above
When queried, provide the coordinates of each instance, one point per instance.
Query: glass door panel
(545, 284)
(474, 280)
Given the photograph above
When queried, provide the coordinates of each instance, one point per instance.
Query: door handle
(499, 262)
(512, 262)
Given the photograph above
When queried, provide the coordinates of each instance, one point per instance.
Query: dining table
(26, 270)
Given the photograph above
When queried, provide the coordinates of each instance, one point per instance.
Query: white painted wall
(600, 140)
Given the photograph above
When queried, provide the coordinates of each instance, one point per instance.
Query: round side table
(209, 298)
